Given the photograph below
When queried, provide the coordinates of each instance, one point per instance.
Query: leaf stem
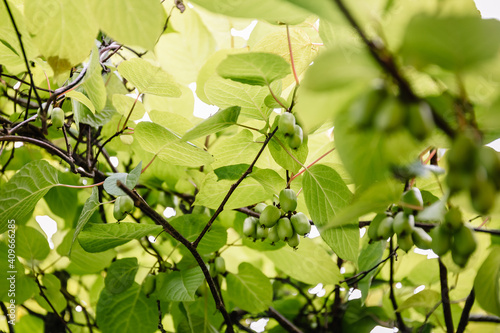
(292, 63)
(310, 165)
(277, 99)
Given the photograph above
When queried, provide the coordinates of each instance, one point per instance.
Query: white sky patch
(342, 270)
(362, 232)
(259, 325)
(314, 232)
(316, 289)
(152, 239)
(201, 109)
(49, 226)
(114, 161)
(144, 118)
(418, 289)
(429, 253)
(381, 329)
(495, 144)
(169, 212)
(354, 294)
(245, 33)
(18, 144)
(78, 308)
(399, 285)
(488, 8)
(17, 85)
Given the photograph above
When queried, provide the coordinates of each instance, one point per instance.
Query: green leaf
(127, 312)
(61, 200)
(90, 207)
(138, 23)
(123, 104)
(222, 119)
(487, 283)
(231, 172)
(31, 244)
(425, 299)
(64, 31)
(270, 10)
(254, 68)
(237, 149)
(52, 290)
(99, 237)
(375, 199)
(179, 286)
(128, 179)
(272, 182)
(326, 195)
(20, 195)
(369, 256)
(310, 263)
(120, 275)
(84, 116)
(168, 147)
(184, 51)
(454, 43)
(191, 225)
(250, 289)
(78, 96)
(212, 192)
(148, 78)
(93, 83)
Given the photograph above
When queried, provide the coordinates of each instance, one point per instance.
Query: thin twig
(285, 323)
(232, 189)
(50, 304)
(464, 318)
(401, 325)
(445, 297)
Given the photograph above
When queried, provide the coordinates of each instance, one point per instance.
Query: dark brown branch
(285, 323)
(443, 276)
(50, 304)
(25, 82)
(464, 318)
(484, 319)
(232, 189)
(158, 219)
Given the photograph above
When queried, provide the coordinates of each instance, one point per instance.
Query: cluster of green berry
(217, 266)
(123, 205)
(276, 224)
(387, 113)
(474, 168)
(288, 126)
(402, 223)
(454, 235)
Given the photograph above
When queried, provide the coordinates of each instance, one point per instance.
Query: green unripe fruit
(49, 110)
(405, 242)
(420, 120)
(269, 216)
(373, 228)
(250, 226)
(421, 239)
(286, 123)
(462, 155)
(57, 117)
(118, 214)
(296, 138)
(490, 160)
(300, 224)
(126, 203)
(294, 240)
(212, 270)
(459, 259)
(441, 240)
(464, 241)
(220, 265)
(261, 233)
(457, 180)
(453, 219)
(403, 224)
(272, 234)
(285, 229)
(390, 116)
(363, 109)
(288, 200)
(385, 228)
(412, 197)
(482, 195)
(149, 284)
(259, 208)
